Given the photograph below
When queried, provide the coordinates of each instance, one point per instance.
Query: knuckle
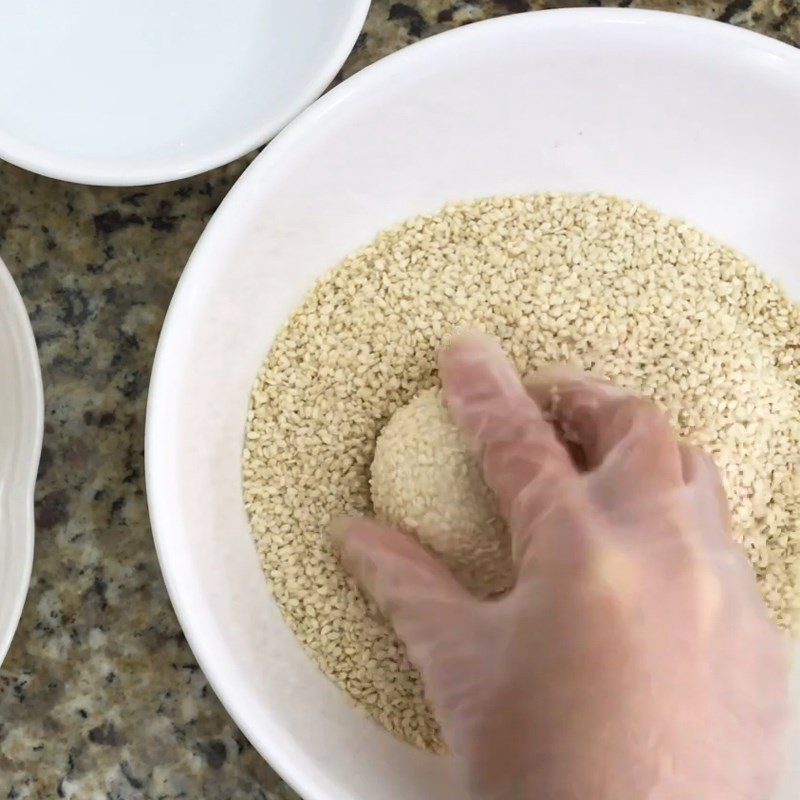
(617, 571)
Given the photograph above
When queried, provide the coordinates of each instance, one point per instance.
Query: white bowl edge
(24, 429)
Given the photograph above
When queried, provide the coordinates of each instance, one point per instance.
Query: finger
(610, 424)
(702, 477)
(423, 601)
(487, 400)
(725, 582)
(575, 401)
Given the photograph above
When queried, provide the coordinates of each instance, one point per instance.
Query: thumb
(430, 611)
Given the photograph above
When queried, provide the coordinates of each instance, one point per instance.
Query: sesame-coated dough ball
(427, 482)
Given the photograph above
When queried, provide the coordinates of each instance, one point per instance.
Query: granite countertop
(100, 696)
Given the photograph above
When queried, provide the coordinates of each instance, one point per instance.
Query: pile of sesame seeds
(595, 281)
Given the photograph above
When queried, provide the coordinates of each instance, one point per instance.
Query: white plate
(698, 119)
(21, 425)
(143, 91)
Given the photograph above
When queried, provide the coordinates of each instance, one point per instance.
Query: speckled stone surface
(100, 696)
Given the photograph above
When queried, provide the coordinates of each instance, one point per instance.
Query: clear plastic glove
(634, 658)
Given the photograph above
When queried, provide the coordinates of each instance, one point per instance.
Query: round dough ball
(427, 482)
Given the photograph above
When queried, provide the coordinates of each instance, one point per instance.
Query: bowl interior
(141, 91)
(697, 119)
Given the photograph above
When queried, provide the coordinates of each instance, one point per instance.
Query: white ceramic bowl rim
(21, 430)
(292, 763)
(85, 170)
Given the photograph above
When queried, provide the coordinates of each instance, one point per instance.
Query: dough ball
(427, 482)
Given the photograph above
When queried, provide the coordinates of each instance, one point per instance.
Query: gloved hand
(634, 657)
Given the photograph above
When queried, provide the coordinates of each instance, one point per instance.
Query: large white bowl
(21, 425)
(133, 92)
(698, 119)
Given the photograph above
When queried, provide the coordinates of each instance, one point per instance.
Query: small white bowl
(21, 426)
(698, 119)
(134, 92)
